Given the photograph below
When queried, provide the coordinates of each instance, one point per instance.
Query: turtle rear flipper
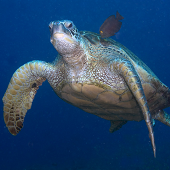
(163, 117)
(116, 125)
(20, 93)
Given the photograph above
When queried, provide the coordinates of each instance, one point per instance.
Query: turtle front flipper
(21, 91)
(128, 72)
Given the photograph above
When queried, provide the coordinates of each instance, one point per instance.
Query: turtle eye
(68, 25)
(50, 27)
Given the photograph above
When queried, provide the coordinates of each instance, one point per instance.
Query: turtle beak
(57, 28)
(61, 37)
(58, 31)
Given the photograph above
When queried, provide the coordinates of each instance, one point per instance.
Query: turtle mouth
(58, 35)
(63, 36)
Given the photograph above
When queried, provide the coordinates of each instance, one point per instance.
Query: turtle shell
(107, 95)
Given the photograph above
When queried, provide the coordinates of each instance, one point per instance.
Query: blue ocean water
(56, 135)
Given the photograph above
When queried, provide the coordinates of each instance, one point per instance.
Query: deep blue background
(56, 135)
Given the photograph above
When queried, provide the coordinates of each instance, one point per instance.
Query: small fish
(111, 25)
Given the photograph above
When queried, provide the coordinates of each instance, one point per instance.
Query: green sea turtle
(99, 76)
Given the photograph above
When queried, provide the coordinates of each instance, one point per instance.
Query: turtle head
(64, 36)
